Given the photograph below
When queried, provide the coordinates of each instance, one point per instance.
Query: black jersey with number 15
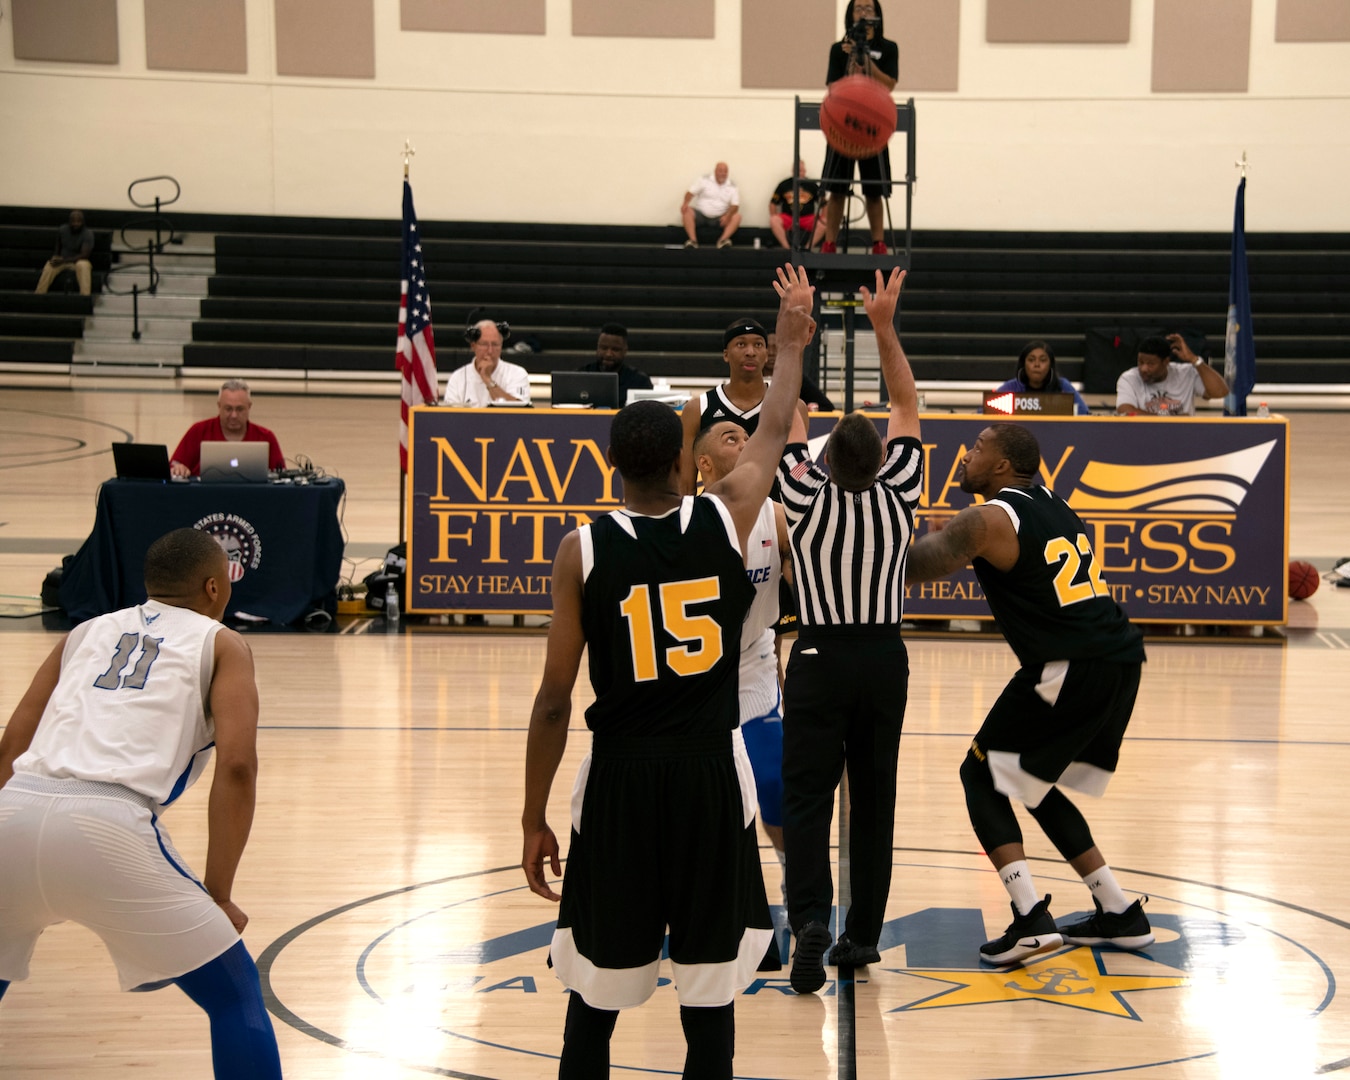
(1053, 604)
(663, 600)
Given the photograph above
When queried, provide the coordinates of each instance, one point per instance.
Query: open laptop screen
(141, 461)
(234, 462)
(599, 389)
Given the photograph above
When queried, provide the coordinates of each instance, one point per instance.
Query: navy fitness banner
(1188, 517)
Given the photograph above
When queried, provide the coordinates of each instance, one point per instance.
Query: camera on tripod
(857, 34)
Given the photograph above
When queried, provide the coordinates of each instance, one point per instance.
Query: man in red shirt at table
(231, 425)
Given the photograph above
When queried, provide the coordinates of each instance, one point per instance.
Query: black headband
(749, 326)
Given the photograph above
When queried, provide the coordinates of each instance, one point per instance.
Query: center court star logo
(1077, 979)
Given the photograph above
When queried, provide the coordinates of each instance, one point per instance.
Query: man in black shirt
(1062, 717)
(664, 827)
(74, 245)
(780, 210)
(611, 354)
(882, 63)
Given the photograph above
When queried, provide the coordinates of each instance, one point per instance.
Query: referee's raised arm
(880, 307)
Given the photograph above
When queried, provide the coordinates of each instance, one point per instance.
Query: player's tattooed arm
(947, 550)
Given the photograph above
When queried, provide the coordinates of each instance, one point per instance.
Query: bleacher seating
(43, 329)
(321, 295)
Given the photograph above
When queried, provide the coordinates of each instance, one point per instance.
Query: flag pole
(408, 154)
(1239, 348)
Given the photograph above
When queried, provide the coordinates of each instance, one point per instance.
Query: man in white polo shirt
(487, 378)
(712, 200)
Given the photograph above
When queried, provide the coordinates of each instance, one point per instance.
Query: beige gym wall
(553, 126)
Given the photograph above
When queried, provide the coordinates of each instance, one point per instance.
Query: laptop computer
(234, 462)
(141, 461)
(1028, 403)
(597, 389)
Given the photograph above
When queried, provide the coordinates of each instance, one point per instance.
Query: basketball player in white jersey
(716, 452)
(119, 720)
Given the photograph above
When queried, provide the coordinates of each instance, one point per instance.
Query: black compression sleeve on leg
(1064, 824)
(711, 1035)
(585, 1054)
(991, 814)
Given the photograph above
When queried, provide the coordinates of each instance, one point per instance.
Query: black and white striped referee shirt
(849, 547)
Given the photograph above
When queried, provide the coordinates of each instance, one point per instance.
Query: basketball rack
(840, 273)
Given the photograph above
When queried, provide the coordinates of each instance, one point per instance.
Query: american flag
(416, 360)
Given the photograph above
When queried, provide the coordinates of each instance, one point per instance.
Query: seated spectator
(230, 425)
(780, 210)
(712, 200)
(74, 245)
(1156, 386)
(611, 354)
(812, 394)
(1036, 371)
(487, 377)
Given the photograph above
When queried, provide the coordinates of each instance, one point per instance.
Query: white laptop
(234, 462)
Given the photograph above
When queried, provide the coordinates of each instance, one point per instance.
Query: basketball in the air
(857, 116)
(1303, 579)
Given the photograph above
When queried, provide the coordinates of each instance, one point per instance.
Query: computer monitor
(596, 389)
(141, 461)
(672, 397)
(234, 462)
(1028, 403)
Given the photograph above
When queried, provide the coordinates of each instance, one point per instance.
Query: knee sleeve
(764, 748)
(586, 1037)
(228, 991)
(991, 813)
(1064, 824)
(711, 1036)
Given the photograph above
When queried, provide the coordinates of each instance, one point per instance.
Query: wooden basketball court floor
(396, 937)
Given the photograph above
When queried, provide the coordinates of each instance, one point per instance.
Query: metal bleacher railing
(152, 246)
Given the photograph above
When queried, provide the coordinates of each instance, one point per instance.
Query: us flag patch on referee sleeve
(800, 469)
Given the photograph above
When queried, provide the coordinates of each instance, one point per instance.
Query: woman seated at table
(1036, 371)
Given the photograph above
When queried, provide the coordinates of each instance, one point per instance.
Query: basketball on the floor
(1303, 579)
(857, 116)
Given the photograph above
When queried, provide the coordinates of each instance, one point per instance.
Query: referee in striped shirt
(844, 694)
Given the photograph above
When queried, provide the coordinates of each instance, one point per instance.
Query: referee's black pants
(843, 706)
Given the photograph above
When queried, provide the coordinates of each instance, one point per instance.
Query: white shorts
(94, 854)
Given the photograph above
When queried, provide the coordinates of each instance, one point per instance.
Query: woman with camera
(864, 50)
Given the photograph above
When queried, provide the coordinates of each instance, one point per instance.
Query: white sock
(1016, 878)
(1104, 888)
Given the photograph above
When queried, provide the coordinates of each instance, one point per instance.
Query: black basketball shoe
(1029, 934)
(1128, 929)
(848, 953)
(808, 968)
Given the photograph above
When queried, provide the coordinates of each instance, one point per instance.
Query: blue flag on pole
(1239, 346)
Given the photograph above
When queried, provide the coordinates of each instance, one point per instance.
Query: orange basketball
(857, 116)
(1303, 579)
